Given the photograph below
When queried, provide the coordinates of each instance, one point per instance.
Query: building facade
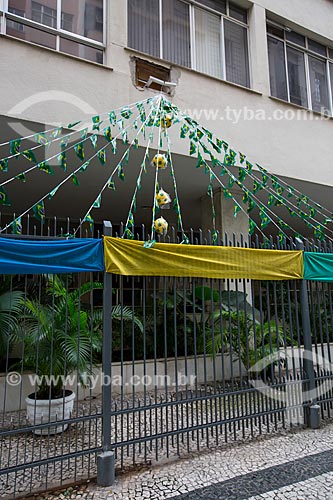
(258, 74)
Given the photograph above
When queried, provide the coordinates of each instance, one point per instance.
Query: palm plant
(10, 310)
(63, 335)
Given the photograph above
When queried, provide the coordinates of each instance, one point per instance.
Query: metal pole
(106, 460)
(311, 409)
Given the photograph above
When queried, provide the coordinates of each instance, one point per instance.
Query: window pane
(31, 34)
(330, 53)
(319, 85)
(236, 53)
(80, 50)
(36, 11)
(144, 26)
(208, 43)
(295, 38)
(176, 32)
(219, 5)
(273, 30)
(238, 13)
(317, 47)
(277, 69)
(297, 81)
(86, 18)
(331, 75)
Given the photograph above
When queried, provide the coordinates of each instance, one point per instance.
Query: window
(75, 27)
(300, 70)
(210, 36)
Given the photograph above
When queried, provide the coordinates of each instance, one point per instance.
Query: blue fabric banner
(50, 257)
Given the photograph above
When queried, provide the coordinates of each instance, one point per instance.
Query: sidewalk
(295, 465)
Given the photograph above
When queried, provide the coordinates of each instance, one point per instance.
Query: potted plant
(62, 336)
(58, 340)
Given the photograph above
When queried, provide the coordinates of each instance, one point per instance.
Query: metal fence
(184, 364)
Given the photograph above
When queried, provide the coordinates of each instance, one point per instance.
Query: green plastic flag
(53, 192)
(93, 140)
(45, 167)
(4, 198)
(17, 226)
(21, 177)
(96, 122)
(142, 111)
(89, 219)
(264, 219)
(14, 146)
(62, 159)
(84, 134)
(237, 209)
(42, 139)
(108, 134)
(112, 118)
(71, 125)
(39, 211)
(102, 156)
(4, 165)
(126, 113)
(29, 155)
(84, 167)
(121, 173)
(97, 202)
(111, 185)
(252, 226)
(79, 150)
(75, 180)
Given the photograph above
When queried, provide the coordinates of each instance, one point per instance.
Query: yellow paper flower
(161, 226)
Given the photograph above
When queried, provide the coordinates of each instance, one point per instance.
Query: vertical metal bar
(311, 410)
(106, 460)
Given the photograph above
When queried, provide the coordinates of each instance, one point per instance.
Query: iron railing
(170, 365)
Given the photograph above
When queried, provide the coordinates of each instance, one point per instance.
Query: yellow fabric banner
(130, 258)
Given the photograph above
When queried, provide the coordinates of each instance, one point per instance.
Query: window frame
(307, 54)
(59, 32)
(193, 5)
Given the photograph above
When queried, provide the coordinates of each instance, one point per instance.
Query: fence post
(311, 409)
(106, 460)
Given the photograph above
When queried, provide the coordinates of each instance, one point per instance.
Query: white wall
(293, 148)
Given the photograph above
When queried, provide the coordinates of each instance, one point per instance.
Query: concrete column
(225, 220)
(258, 50)
(226, 223)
